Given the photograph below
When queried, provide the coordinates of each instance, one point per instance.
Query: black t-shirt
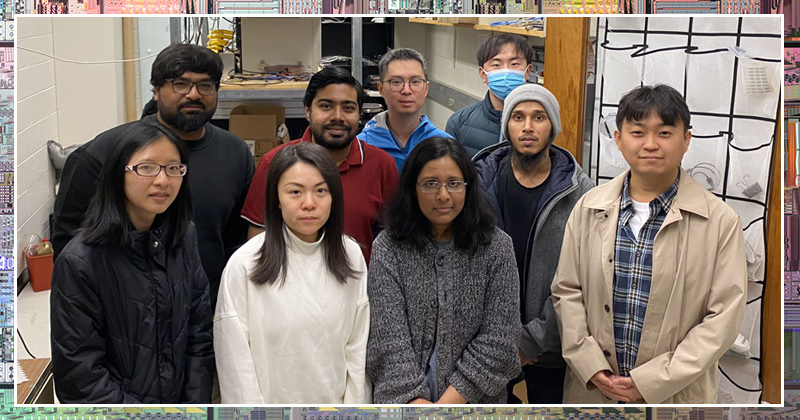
(519, 205)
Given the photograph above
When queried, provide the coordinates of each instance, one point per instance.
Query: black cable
(711, 136)
(605, 45)
(643, 51)
(708, 34)
(735, 384)
(25, 345)
(748, 149)
(748, 227)
(755, 299)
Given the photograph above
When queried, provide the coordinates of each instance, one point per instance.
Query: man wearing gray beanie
(532, 186)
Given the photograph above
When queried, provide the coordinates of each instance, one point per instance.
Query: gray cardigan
(467, 306)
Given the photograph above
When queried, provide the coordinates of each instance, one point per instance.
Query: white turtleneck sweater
(303, 342)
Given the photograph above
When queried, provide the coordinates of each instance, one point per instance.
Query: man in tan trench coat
(650, 287)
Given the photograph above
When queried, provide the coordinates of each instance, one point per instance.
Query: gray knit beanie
(533, 92)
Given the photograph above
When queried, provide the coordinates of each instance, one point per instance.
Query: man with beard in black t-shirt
(185, 80)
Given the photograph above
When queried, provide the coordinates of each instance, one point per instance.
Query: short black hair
(494, 45)
(401, 54)
(177, 59)
(330, 76)
(405, 222)
(664, 100)
(272, 257)
(107, 221)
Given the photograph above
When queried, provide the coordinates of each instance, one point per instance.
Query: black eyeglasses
(184, 86)
(432, 187)
(152, 169)
(416, 85)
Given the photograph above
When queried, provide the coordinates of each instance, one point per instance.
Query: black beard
(183, 121)
(330, 143)
(528, 162)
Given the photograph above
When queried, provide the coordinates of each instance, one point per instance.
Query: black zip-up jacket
(476, 126)
(132, 325)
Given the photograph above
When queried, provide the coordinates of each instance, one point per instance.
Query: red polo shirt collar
(354, 158)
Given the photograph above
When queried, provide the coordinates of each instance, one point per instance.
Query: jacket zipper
(549, 204)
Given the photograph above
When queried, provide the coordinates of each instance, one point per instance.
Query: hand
(524, 361)
(419, 401)
(451, 396)
(604, 381)
(626, 387)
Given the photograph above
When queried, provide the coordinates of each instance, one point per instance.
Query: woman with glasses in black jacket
(129, 307)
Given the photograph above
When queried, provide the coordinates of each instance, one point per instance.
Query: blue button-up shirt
(633, 272)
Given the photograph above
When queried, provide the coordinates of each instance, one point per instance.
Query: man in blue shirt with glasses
(404, 85)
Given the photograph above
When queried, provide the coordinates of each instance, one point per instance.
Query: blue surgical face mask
(503, 81)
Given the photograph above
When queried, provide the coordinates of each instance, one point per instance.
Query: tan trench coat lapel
(607, 214)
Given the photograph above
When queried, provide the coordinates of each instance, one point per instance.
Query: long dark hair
(406, 223)
(107, 221)
(271, 266)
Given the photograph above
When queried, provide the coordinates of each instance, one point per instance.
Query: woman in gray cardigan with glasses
(443, 287)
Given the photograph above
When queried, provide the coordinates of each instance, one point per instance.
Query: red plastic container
(40, 269)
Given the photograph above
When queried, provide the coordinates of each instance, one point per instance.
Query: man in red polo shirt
(369, 175)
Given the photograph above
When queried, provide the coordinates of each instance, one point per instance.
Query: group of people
(401, 264)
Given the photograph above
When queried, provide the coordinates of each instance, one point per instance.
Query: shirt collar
(354, 158)
(663, 201)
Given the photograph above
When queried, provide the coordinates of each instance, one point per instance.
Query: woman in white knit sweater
(292, 317)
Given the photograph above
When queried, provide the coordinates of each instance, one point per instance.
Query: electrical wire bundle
(272, 75)
(296, 73)
(218, 39)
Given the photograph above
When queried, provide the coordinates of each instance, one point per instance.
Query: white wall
(68, 103)
(152, 35)
(284, 40)
(37, 122)
(90, 97)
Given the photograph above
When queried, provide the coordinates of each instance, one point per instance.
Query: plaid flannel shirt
(633, 269)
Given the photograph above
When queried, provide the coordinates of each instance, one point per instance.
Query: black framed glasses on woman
(432, 187)
(152, 169)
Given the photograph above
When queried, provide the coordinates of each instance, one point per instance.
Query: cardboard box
(258, 125)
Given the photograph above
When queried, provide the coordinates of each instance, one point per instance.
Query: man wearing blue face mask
(504, 64)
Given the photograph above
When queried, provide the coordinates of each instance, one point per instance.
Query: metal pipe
(129, 69)
(357, 50)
